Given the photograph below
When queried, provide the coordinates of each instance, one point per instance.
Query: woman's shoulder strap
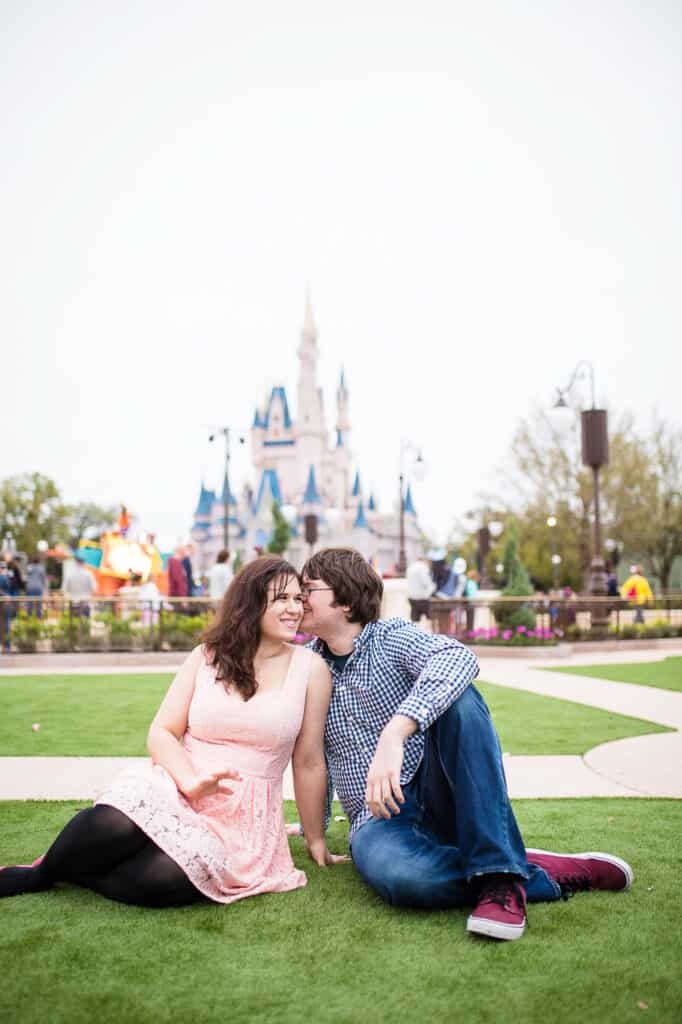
(302, 661)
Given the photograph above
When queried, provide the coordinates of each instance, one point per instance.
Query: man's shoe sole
(608, 857)
(495, 929)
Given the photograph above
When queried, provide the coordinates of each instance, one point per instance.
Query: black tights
(103, 850)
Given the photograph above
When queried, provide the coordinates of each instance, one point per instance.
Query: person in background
(219, 575)
(177, 578)
(420, 587)
(611, 581)
(187, 566)
(439, 570)
(470, 591)
(79, 588)
(16, 580)
(637, 591)
(6, 612)
(149, 597)
(36, 585)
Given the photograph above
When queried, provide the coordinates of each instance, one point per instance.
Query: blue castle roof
(371, 504)
(268, 482)
(311, 496)
(409, 504)
(360, 519)
(257, 421)
(232, 499)
(278, 393)
(357, 489)
(205, 503)
(339, 439)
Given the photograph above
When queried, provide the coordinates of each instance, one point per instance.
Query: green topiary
(281, 533)
(513, 614)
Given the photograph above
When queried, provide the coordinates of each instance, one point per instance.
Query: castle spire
(310, 412)
(342, 418)
(308, 322)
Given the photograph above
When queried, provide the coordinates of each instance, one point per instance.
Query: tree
(31, 510)
(281, 532)
(640, 506)
(88, 520)
(656, 502)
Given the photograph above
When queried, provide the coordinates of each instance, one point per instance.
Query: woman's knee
(109, 821)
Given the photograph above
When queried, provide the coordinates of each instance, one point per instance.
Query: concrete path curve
(642, 765)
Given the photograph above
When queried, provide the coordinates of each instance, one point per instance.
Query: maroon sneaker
(582, 872)
(501, 909)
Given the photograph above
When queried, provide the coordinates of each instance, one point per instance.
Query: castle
(296, 465)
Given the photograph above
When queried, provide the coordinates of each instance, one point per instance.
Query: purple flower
(521, 629)
(507, 634)
(493, 633)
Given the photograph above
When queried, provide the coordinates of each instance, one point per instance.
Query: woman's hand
(209, 784)
(318, 852)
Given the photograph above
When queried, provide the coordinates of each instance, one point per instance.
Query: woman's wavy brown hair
(232, 638)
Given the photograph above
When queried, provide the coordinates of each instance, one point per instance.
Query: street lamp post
(556, 557)
(488, 530)
(595, 454)
(225, 431)
(405, 447)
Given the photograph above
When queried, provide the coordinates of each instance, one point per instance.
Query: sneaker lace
(571, 884)
(501, 893)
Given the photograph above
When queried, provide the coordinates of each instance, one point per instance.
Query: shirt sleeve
(440, 667)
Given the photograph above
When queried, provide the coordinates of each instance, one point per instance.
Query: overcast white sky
(478, 194)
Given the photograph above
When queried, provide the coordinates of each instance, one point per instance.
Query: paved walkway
(639, 766)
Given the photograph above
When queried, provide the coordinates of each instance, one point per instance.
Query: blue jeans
(456, 824)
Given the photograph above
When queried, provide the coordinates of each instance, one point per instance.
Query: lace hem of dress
(151, 800)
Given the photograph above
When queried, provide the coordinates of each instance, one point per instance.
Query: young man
(416, 763)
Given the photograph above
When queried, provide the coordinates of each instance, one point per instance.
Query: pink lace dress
(229, 845)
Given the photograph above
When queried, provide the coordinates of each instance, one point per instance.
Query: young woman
(204, 820)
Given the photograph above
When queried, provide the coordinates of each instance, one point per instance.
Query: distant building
(310, 471)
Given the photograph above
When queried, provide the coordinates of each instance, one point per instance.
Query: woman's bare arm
(169, 726)
(309, 766)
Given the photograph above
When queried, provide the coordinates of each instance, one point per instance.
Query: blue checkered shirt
(394, 669)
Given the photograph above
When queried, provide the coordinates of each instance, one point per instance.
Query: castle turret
(361, 536)
(409, 504)
(342, 416)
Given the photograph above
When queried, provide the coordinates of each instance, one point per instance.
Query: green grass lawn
(108, 716)
(528, 723)
(665, 674)
(334, 953)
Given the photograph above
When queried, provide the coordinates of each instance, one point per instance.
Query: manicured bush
(511, 614)
(182, 632)
(25, 632)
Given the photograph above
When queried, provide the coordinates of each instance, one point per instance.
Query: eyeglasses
(311, 590)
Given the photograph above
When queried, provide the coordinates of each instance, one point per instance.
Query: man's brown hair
(351, 577)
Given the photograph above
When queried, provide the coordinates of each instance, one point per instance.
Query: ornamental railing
(543, 618)
(58, 624)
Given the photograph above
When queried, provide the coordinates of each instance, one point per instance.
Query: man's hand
(210, 783)
(383, 777)
(318, 852)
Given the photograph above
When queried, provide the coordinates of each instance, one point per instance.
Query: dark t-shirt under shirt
(337, 660)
